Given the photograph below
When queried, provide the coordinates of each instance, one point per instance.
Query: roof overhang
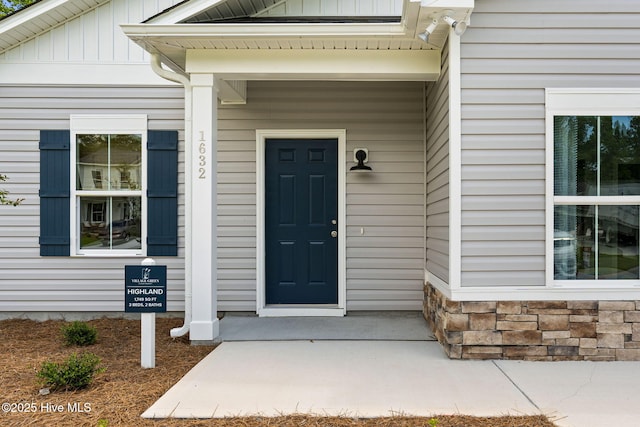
(173, 42)
(39, 17)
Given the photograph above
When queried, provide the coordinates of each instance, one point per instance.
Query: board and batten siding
(437, 198)
(335, 8)
(509, 55)
(385, 208)
(29, 282)
(94, 36)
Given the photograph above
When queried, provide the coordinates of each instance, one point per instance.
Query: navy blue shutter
(162, 193)
(55, 192)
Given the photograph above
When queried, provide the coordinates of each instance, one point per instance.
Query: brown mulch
(118, 396)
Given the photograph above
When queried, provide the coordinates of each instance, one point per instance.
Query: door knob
(334, 233)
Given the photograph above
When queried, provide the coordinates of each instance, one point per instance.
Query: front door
(301, 214)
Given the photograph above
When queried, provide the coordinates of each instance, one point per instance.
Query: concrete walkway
(372, 378)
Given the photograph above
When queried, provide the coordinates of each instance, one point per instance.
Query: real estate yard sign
(145, 288)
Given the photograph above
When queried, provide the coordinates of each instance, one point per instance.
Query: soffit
(40, 17)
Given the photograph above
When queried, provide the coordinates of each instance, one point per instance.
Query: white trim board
(296, 310)
(455, 162)
(53, 73)
(534, 293)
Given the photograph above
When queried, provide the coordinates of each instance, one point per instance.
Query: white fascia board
(183, 11)
(80, 74)
(310, 64)
(30, 13)
(252, 31)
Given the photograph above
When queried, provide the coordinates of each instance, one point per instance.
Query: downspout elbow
(156, 66)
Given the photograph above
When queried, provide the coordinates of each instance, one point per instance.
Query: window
(108, 186)
(596, 187)
(107, 198)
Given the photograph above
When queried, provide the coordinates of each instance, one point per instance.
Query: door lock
(334, 233)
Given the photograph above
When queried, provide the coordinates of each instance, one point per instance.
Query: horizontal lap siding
(384, 265)
(438, 174)
(510, 54)
(32, 283)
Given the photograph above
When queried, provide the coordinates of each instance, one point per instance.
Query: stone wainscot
(535, 330)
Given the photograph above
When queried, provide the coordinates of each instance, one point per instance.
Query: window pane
(126, 161)
(92, 162)
(619, 156)
(574, 242)
(575, 156)
(110, 223)
(618, 242)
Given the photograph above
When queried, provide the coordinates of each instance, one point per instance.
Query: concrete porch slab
(354, 378)
(397, 326)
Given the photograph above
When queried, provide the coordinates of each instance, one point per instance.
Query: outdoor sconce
(361, 156)
(459, 27)
(428, 31)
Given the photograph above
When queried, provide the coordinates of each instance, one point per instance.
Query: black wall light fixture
(361, 156)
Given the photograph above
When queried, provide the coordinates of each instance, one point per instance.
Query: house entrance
(301, 221)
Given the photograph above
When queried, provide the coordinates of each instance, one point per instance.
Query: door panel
(301, 194)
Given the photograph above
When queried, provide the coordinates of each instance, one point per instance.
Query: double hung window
(108, 163)
(596, 187)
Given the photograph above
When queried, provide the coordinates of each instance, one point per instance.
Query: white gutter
(257, 30)
(156, 66)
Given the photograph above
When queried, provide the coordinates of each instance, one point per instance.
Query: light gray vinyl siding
(385, 264)
(438, 173)
(510, 54)
(29, 282)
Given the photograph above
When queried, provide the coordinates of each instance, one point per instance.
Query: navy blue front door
(301, 198)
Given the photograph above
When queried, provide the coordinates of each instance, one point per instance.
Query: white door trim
(300, 310)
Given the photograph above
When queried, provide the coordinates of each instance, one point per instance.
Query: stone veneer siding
(535, 330)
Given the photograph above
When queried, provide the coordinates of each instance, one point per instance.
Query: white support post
(204, 324)
(148, 333)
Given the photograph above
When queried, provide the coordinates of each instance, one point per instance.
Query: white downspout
(156, 66)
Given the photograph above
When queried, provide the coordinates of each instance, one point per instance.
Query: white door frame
(300, 310)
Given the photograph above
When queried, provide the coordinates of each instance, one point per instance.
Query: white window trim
(294, 310)
(588, 102)
(113, 124)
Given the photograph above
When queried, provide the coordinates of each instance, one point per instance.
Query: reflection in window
(596, 242)
(110, 223)
(106, 165)
(108, 162)
(596, 156)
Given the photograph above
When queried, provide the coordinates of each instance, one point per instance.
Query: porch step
(384, 326)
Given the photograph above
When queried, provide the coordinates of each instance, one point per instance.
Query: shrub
(74, 373)
(79, 333)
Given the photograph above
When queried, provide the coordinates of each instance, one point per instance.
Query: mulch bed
(118, 396)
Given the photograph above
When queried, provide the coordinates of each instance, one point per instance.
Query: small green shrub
(79, 333)
(74, 373)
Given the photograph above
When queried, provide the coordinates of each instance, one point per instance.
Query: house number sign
(202, 157)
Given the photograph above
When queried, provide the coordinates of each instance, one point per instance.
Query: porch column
(204, 260)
